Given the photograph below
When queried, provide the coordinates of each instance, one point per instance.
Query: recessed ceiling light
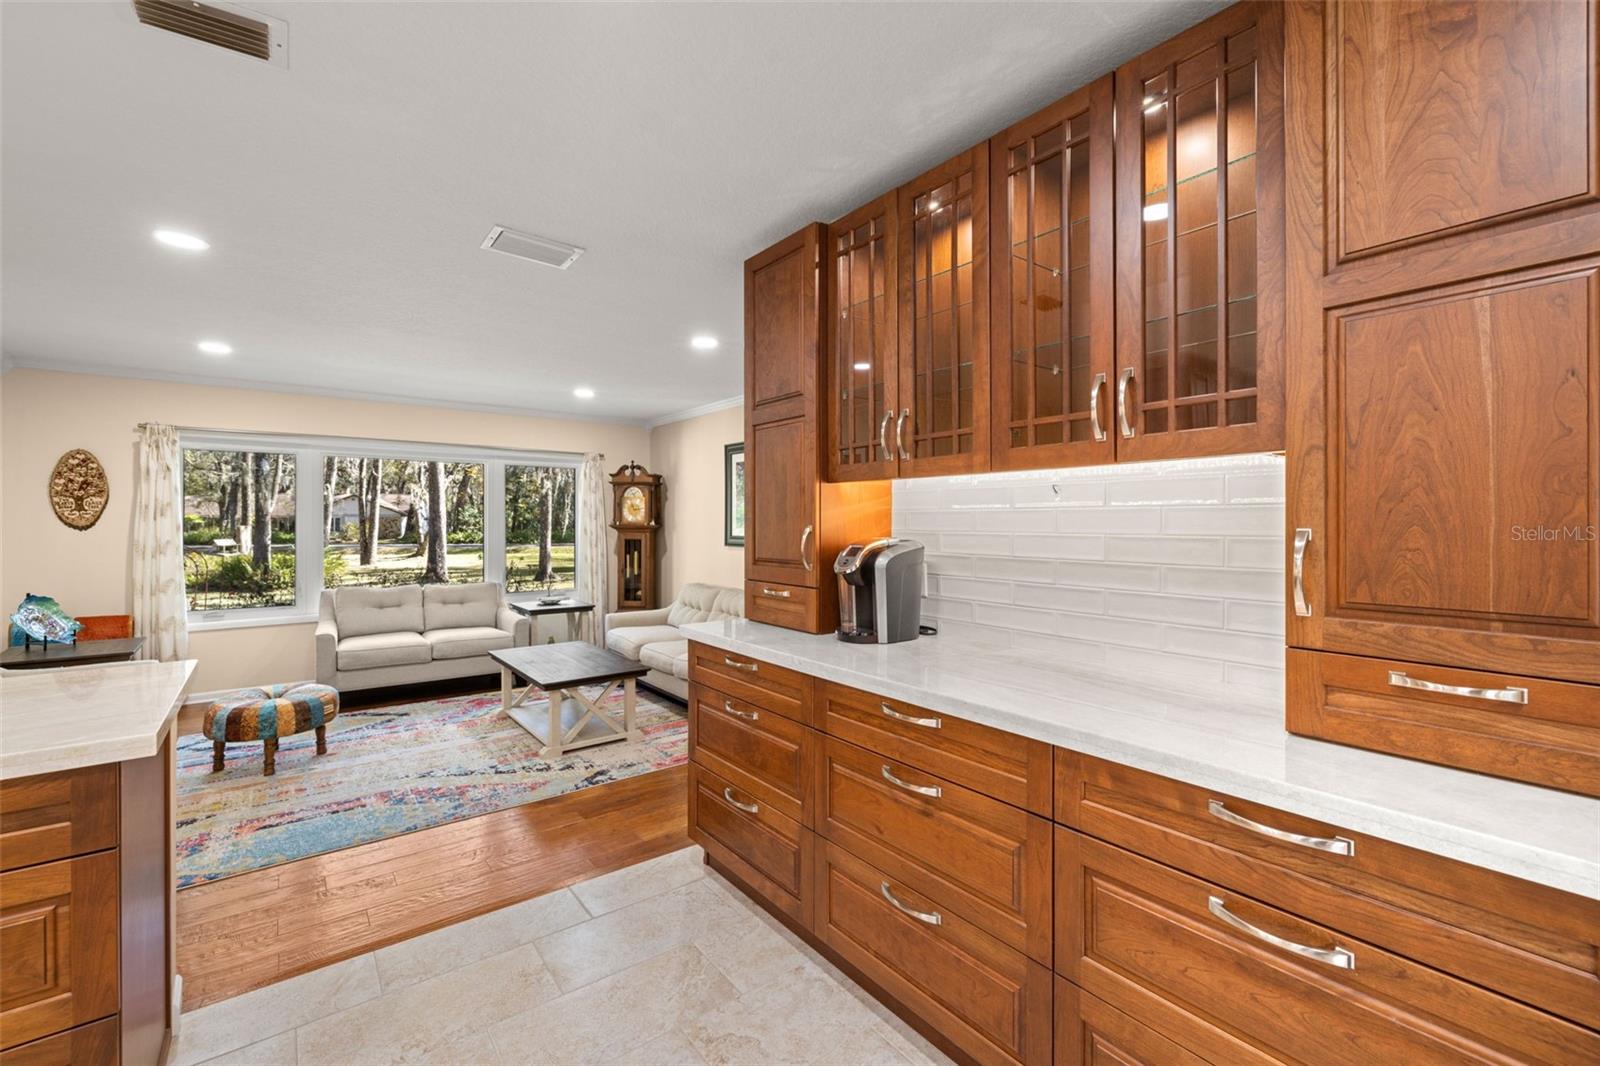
(1156, 212)
(187, 242)
(215, 347)
(583, 392)
(703, 342)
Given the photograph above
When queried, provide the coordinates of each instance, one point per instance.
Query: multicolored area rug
(390, 770)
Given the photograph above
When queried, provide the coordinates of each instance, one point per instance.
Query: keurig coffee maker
(880, 591)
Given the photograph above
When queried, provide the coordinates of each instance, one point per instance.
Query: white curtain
(594, 556)
(160, 614)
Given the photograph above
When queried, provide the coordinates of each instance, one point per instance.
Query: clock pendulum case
(636, 516)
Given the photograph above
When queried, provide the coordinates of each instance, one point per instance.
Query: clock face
(633, 510)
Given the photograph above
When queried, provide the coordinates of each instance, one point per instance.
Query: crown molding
(695, 412)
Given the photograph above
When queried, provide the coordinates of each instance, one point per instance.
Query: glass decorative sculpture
(40, 618)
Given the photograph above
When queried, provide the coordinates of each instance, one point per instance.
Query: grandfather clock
(637, 519)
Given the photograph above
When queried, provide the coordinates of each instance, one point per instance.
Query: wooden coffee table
(570, 719)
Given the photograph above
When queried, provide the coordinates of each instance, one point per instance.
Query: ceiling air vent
(236, 29)
(556, 254)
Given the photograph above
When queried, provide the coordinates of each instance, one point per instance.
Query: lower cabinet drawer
(773, 688)
(770, 852)
(789, 606)
(975, 856)
(1089, 1032)
(95, 1044)
(1185, 956)
(989, 1000)
(46, 817)
(761, 754)
(58, 946)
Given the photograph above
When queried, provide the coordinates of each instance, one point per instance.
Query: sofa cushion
(373, 650)
(459, 606)
(360, 611)
(699, 602)
(629, 640)
(464, 642)
(668, 656)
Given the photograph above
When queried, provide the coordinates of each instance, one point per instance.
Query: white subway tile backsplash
(1169, 568)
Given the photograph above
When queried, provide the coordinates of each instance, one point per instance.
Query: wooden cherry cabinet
(1444, 324)
(1052, 347)
(863, 372)
(1200, 240)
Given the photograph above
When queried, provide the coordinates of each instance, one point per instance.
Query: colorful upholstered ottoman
(269, 713)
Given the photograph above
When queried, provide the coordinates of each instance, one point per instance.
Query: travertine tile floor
(659, 964)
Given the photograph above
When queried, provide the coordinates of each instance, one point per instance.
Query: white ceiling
(345, 197)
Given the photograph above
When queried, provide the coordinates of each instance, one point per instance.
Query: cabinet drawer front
(1528, 941)
(1151, 940)
(983, 859)
(56, 816)
(58, 946)
(991, 761)
(789, 606)
(762, 754)
(772, 688)
(95, 1044)
(991, 1001)
(1527, 728)
(1090, 1032)
(770, 852)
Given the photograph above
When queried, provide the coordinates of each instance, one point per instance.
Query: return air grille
(553, 253)
(257, 36)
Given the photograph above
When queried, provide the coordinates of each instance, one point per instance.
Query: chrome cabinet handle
(781, 594)
(922, 790)
(926, 723)
(1336, 845)
(1302, 537)
(1094, 407)
(928, 917)
(883, 435)
(1335, 956)
(805, 535)
(1124, 376)
(748, 808)
(737, 665)
(749, 716)
(1399, 679)
(899, 433)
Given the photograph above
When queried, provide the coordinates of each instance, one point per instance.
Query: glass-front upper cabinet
(1200, 240)
(862, 383)
(942, 426)
(1052, 354)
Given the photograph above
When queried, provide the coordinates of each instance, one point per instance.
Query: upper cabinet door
(781, 333)
(862, 371)
(942, 426)
(1053, 352)
(1200, 240)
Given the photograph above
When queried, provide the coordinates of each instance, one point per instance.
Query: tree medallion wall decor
(78, 489)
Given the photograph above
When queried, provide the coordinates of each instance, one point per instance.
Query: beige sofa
(652, 637)
(376, 637)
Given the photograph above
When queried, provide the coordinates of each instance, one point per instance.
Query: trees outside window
(541, 527)
(402, 521)
(238, 529)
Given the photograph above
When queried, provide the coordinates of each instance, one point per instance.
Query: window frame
(309, 453)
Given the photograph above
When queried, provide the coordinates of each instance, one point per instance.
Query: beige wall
(43, 414)
(688, 455)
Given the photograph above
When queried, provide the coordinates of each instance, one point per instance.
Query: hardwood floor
(247, 931)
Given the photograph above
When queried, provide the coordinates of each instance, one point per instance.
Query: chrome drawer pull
(737, 665)
(749, 716)
(1334, 956)
(1399, 679)
(1094, 407)
(1336, 845)
(922, 790)
(1122, 401)
(929, 917)
(900, 435)
(782, 594)
(748, 808)
(883, 435)
(1302, 537)
(805, 537)
(926, 723)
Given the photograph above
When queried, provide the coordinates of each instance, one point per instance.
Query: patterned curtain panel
(160, 614)
(594, 556)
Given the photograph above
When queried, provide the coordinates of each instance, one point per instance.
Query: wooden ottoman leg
(322, 740)
(269, 756)
(216, 755)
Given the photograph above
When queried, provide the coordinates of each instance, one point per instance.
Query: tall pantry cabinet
(1443, 313)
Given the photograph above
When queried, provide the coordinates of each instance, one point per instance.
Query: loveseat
(376, 637)
(652, 637)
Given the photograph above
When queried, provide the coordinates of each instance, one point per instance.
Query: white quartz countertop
(1212, 737)
(76, 716)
